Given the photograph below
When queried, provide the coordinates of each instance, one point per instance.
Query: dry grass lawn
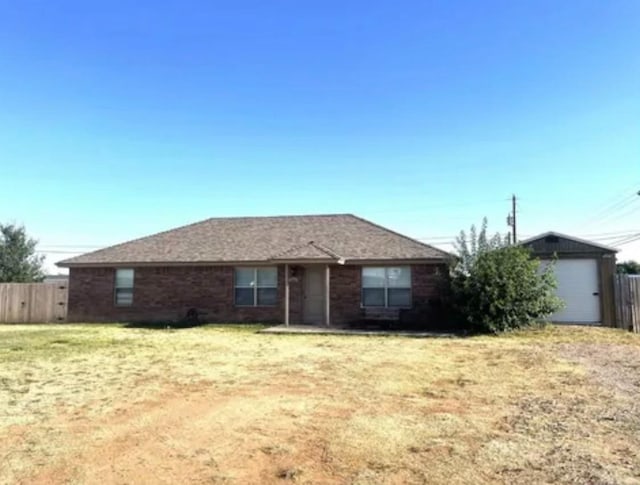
(108, 404)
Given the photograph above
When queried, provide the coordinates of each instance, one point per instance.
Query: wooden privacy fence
(33, 302)
(627, 299)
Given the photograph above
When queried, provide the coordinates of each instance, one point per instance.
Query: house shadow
(162, 325)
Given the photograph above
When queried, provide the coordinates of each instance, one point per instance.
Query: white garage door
(578, 287)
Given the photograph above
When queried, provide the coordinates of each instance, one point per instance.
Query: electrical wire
(610, 209)
(626, 240)
(637, 238)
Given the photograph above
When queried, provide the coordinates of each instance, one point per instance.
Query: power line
(612, 240)
(625, 214)
(89, 246)
(440, 206)
(615, 216)
(612, 202)
(627, 237)
(634, 239)
(618, 204)
(432, 238)
(612, 235)
(441, 239)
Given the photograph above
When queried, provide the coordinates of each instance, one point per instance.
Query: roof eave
(347, 261)
(570, 238)
(305, 261)
(131, 264)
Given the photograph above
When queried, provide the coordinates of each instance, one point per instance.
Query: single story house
(584, 271)
(317, 269)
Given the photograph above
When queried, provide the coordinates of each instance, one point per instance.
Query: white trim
(255, 287)
(286, 294)
(116, 287)
(570, 238)
(327, 296)
(386, 287)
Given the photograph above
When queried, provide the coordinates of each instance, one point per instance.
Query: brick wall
(346, 290)
(166, 293)
(425, 282)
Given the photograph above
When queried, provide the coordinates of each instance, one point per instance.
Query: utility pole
(513, 214)
(511, 221)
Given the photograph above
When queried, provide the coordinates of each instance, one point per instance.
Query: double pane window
(386, 286)
(256, 286)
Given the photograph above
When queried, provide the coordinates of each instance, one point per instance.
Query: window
(124, 287)
(386, 287)
(256, 286)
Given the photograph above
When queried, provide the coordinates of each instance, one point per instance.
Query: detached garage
(584, 271)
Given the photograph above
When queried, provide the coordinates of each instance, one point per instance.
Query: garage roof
(555, 242)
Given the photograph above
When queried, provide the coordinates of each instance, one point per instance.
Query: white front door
(579, 289)
(314, 295)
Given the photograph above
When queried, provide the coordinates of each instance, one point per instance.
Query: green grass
(53, 343)
(64, 341)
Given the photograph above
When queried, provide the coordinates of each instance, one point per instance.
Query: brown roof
(564, 244)
(306, 251)
(338, 237)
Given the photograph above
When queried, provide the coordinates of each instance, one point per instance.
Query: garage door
(578, 287)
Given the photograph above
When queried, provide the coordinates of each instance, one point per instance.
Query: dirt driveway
(106, 404)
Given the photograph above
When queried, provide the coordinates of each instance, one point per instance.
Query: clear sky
(120, 119)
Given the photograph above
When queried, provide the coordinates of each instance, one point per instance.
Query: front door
(314, 295)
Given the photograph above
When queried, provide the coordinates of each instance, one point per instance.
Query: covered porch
(307, 294)
(307, 284)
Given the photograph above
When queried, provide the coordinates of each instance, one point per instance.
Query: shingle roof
(578, 240)
(306, 251)
(256, 239)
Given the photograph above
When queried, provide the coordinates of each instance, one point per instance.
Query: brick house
(319, 269)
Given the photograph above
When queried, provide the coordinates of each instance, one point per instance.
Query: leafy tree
(628, 267)
(497, 287)
(18, 261)
(469, 248)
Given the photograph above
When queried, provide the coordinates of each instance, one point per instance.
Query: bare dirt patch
(614, 366)
(221, 405)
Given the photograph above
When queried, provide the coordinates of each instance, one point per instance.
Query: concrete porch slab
(314, 330)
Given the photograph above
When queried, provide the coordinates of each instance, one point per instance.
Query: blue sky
(120, 119)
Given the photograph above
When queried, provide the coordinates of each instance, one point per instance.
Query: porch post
(286, 294)
(327, 297)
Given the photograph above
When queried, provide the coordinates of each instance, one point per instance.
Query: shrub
(497, 287)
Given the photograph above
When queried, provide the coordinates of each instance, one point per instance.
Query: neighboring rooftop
(335, 237)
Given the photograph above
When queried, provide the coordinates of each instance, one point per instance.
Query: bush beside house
(496, 287)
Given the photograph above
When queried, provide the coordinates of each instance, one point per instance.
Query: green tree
(19, 262)
(477, 243)
(497, 287)
(628, 267)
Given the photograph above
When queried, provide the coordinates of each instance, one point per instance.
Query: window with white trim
(123, 293)
(256, 286)
(386, 286)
